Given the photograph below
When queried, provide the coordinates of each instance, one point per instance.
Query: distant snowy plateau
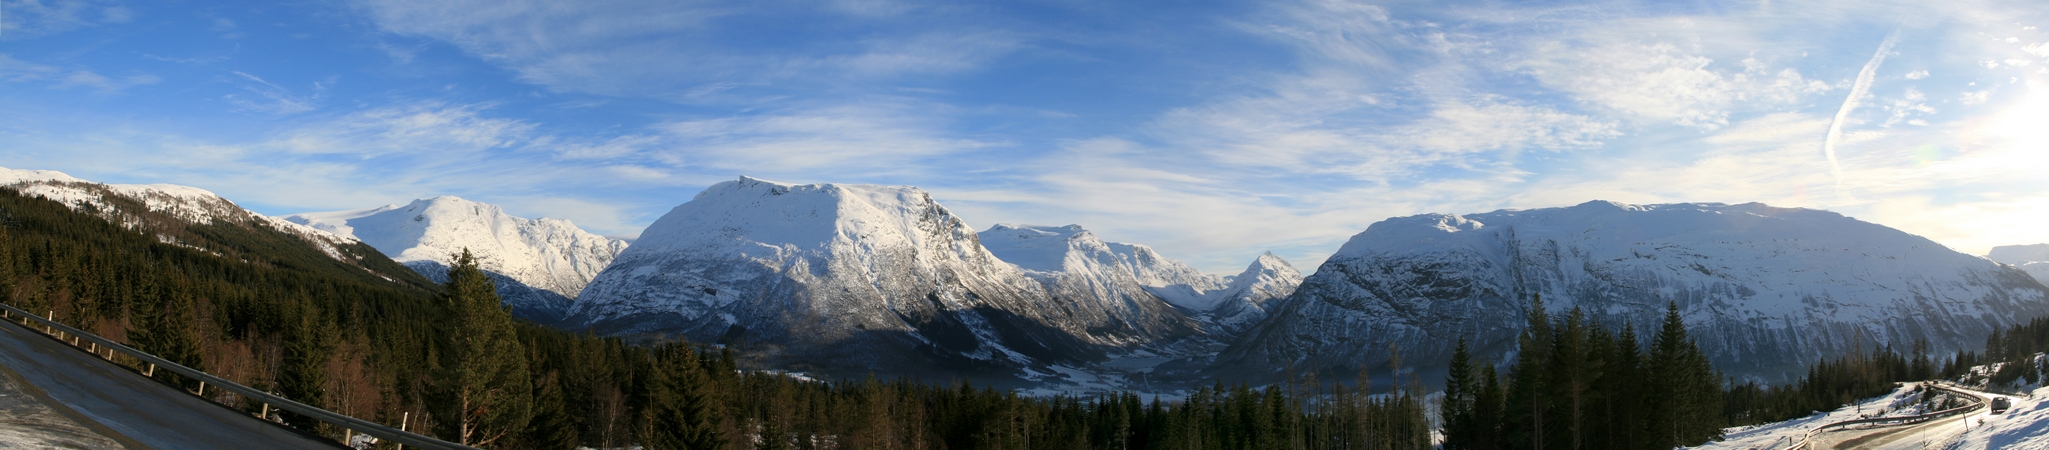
(1765, 290)
(846, 280)
(2033, 259)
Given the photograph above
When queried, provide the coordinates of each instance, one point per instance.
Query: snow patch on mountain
(1767, 290)
(539, 265)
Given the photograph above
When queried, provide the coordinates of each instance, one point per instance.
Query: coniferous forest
(373, 340)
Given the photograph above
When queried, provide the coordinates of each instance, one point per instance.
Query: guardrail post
(402, 419)
(266, 412)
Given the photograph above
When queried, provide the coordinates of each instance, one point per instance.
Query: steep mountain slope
(196, 218)
(1169, 279)
(539, 265)
(2033, 259)
(1251, 293)
(846, 279)
(1766, 290)
(1076, 266)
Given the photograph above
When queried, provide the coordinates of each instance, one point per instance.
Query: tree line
(363, 336)
(1574, 384)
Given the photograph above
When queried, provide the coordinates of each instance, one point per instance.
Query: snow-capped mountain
(1074, 263)
(1076, 266)
(1169, 279)
(2033, 259)
(849, 279)
(166, 209)
(1766, 290)
(1250, 293)
(538, 265)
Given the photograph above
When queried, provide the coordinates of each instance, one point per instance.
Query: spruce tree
(1572, 375)
(1487, 411)
(1456, 409)
(484, 391)
(1686, 406)
(682, 411)
(309, 339)
(1528, 389)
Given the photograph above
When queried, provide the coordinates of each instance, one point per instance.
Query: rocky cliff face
(1766, 290)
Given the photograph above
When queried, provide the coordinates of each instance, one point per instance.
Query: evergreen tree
(1456, 409)
(308, 340)
(485, 392)
(1528, 389)
(1487, 411)
(682, 411)
(1685, 408)
(1573, 370)
(166, 327)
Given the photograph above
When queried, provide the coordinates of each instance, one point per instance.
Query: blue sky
(1209, 130)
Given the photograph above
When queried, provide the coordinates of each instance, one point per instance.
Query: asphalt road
(1914, 436)
(136, 410)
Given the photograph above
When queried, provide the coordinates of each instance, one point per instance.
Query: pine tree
(485, 392)
(1456, 410)
(1528, 388)
(682, 411)
(166, 326)
(1622, 385)
(1686, 406)
(309, 339)
(1487, 411)
(1572, 375)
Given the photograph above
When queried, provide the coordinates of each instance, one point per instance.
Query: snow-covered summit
(1047, 251)
(1769, 290)
(845, 276)
(2033, 259)
(549, 255)
(1252, 292)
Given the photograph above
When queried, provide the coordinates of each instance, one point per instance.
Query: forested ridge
(373, 340)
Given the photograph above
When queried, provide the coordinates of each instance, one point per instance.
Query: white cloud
(32, 18)
(1659, 81)
(847, 139)
(662, 49)
(426, 127)
(271, 98)
(14, 70)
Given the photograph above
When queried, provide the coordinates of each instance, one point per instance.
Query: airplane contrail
(1857, 91)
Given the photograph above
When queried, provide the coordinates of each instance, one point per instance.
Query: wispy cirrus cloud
(682, 51)
(33, 18)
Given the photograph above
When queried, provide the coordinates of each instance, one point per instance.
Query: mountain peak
(542, 263)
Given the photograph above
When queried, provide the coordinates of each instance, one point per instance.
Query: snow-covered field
(2024, 426)
(1781, 434)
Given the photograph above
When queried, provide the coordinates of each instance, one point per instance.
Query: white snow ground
(1901, 402)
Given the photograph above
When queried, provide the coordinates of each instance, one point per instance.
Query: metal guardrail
(381, 431)
(1901, 420)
